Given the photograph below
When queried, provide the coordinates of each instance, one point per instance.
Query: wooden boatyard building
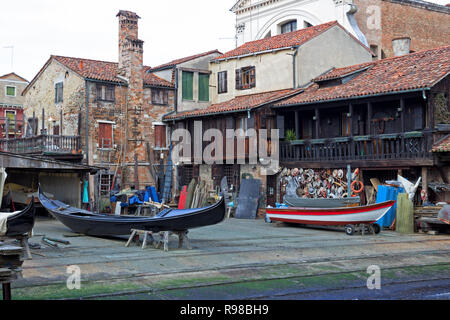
(384, 117)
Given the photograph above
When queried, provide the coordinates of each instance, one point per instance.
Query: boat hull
(331, 216)
(22, 222)
(95, 224)
(297, 202)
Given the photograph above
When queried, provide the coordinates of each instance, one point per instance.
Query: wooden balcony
(410, 148)
(50, 145)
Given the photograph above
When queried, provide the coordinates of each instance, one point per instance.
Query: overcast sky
(89, 29)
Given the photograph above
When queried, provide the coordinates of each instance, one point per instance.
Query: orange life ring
(358, 190)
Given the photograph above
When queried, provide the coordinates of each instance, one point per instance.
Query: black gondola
(22, 222)
(97, 224)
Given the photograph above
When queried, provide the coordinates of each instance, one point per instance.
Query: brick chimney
(131, 49)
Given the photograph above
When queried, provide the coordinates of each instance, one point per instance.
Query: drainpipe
(294, 66)
(87, 120)
(176, 89)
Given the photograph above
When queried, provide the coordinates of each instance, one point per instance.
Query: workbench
(11, 260)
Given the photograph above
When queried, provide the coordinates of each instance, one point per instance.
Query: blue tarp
(386, 193)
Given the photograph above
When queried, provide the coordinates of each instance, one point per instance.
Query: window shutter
(187, 83)
(105, 135)
(203, 87)
(160, 136)
(99, 92)
(238, 79)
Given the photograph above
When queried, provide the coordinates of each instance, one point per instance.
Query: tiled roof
(105, 71)
(286, 40)
(443, 145)
(342, 72)
(414, 71)
(240, 103)
(13, 75)
(182, 60)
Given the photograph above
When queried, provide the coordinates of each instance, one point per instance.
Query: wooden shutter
(105, 135)
(238, 79)
(99, 92)
(160, 136)
(203, 87)
(187, 83)
(222, 82)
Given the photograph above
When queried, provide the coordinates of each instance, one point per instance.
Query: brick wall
(427, 28)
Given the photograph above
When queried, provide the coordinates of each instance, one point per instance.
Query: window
(10, 91)
(160, 97)
(245, 78)
(105, 135)
(289, 26)
(306, 24)
(105, 93)
(187, 80)
(242, 123)
(203, 87)
(160, 136)
(11, 116)
(222, 82)
(58, 92)
(105, 184)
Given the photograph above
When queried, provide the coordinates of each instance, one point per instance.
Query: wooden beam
(402, 113)
(317, 115)
(350, 110)
(297, 125)
(369, 118)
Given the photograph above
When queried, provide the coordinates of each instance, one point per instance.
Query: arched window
(289, 26)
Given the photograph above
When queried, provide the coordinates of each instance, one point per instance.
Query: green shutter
(188, 85)
(11, 91)
(203, 87)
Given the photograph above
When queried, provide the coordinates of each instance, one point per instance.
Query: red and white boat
(331, 216)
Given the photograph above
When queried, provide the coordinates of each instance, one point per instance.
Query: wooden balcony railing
(43, 144)
(402, 146)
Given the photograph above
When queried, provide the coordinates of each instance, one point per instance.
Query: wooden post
(317, 115)
(402, 113)
(404, 222)
(136, 174)
(350, 111)
(297, 125)
(6, 291)
(425, 182)
(369, 118)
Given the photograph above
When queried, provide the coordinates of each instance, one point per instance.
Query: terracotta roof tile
(443, 145)
(418, 70)
(106, 71)
(286, 40)
(240, 103)
(182, 60)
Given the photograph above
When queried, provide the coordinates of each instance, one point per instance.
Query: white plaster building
(258, 19)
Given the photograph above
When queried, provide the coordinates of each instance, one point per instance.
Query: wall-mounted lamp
(399, 109)
(349, 115)
(314, 118)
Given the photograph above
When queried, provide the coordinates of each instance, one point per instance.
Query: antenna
(12, 56)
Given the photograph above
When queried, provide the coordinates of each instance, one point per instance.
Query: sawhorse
(164, 238)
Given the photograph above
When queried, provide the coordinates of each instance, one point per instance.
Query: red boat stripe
(322, 223)
(301, 212)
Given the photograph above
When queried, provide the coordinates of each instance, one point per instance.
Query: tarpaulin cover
(386, 193)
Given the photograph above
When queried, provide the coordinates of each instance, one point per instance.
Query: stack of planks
(11, 260)
(197, 194)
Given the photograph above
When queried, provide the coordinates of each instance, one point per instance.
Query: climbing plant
(441, 112)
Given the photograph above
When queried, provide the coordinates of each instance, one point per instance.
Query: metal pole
(349, 181)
